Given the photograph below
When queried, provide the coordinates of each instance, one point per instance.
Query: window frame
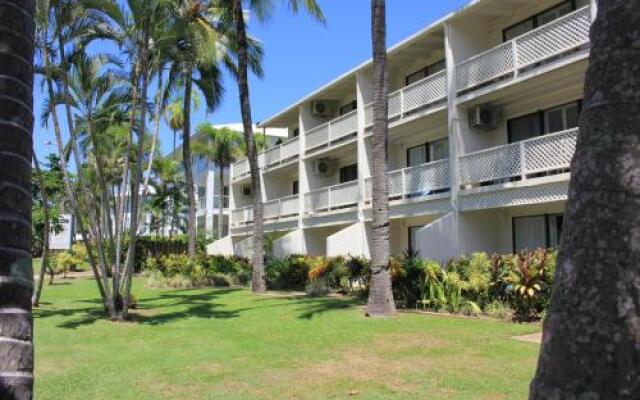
(409, 229)
(345, 168)
(425, 71)
(534, 18)
(542, 118)
(353, 104)
(547, 226)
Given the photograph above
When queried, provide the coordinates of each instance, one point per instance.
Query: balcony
(540, 156)
(240, 169)
(280, 154)
(414, 97)
(419, 181)
(285, 207)
(242, 216)
(202, 203)
(332, 132)
(333, 197)
(545, 43)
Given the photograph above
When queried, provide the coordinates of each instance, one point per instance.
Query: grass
(229, 344)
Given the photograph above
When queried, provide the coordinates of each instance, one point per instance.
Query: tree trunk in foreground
(186, 162)
(258, 283)
(16, 127)
(35, 300)
(591, 341)
(381, 294)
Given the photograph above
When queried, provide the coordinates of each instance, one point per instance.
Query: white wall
(222, 247)
(352, 240)
(288, 244)
(437, 240)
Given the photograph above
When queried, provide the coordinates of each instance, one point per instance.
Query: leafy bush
(179, 271)
(499, 310)
(290, 273)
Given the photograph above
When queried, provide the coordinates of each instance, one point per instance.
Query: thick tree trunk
(186, 162)
(221, 204)
(381, 294)
(16, 127)
(592, 332)
(258, 283)
(35, 300)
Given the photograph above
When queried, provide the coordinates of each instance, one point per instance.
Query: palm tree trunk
(221, 203)
(258, 283)
(186, 162)
(35, 300)
(590, 342)
(16, 127)
(381, 294)
(135, 185)
(96, 266)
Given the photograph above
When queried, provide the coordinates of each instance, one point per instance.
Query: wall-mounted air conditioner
(324, 167)
(485, 117)
(322, 109)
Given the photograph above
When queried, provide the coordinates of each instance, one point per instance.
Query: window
(296, 132)
(413, 238)
(545, 17)
(439, 150)
(424, 72)
(530, 233)
(552, 120)
(295, 188)
(424, 153)
(562, 118)
(349, 173)
(417, 155)
(347, 108)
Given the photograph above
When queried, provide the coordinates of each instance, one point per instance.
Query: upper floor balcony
(540, 156)
(416, 182)
(552, 41)
(217, 202)
(412, 98)
(285, 207)
(334, 197)
(332, 132)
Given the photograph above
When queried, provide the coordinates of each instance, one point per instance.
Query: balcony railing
(241, 169)
(287, 151)
(421, 180)
(541, 44)
(282, 208)
(332, 131)
(202, 203)
(544, 154)
(415, 96)
(332, 197)
(242, 216)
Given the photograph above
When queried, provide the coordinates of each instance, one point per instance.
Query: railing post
(402, 103)
(523, 161)
(329, 199)
(403, 176)
(514, 50)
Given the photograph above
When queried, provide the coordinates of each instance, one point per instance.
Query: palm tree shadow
(309, 307)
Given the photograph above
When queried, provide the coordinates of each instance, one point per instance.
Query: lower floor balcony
(417, 181)
(334, 197)
(285, 207)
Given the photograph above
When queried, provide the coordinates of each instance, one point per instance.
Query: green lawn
(228, 344)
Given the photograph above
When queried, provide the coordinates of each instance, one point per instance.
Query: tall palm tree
(590, 341)
(261, 9)
(381, 294)
(175, 119)
(221, 146)
(44, 263)
(16, 276)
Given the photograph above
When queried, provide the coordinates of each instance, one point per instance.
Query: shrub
(179, 271)
(290, 273)
(318, 288)
(499, 310)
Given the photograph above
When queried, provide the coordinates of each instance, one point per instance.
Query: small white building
(483, 121)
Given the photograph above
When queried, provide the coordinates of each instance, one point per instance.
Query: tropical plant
(221, 146)
(234, 15)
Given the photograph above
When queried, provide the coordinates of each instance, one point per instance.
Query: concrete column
(210, 191)
(594, 9)
(306, 122)
(364, 93)
(453, 127)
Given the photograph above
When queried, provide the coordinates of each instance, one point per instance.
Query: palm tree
(175, 119)
(221, 146)
(16, 283)
(590, 341)
(261, 9)
(381, 294)
(35, 300)
(168, 193)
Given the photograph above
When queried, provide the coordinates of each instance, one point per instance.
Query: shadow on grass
(172, 306)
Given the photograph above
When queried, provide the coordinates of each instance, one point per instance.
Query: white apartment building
(483, 121)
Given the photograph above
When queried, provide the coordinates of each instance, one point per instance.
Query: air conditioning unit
(322, 109)
(246, 191)
(323, 167)
(484, 117)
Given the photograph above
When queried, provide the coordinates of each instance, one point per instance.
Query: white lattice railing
(240, 169)
(242, 216)
(412, 97)
(286, 151)
(331, 131)
(282, 208)
(547, 41)
(421, 180)
(546, 153)
(338, 196)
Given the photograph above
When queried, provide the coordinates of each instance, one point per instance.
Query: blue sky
(300, 56)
